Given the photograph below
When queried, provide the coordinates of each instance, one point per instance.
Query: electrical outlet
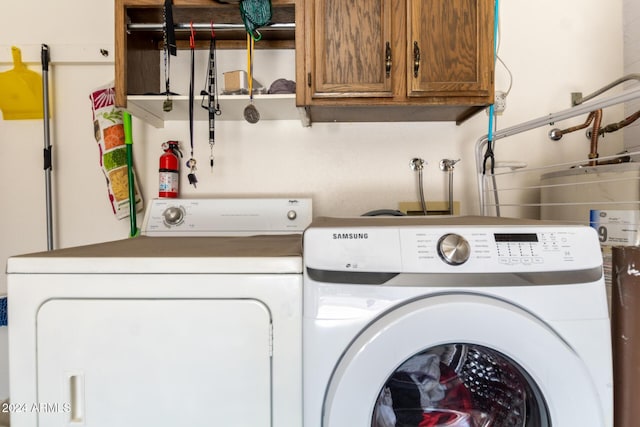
(500, 103)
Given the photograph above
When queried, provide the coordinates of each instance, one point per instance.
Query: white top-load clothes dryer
(456, 322)
(199, 328)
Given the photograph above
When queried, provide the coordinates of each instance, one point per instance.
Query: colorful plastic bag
(109, 134)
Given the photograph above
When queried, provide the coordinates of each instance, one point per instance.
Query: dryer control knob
(454, 249)
(173, 215)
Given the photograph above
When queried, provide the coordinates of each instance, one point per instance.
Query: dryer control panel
(231, 217)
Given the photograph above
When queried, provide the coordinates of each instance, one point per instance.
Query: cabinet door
(449, 47)
(351, 40)
(143, 362)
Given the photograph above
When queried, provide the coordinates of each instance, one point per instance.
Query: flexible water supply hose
(451, 192)
(447, 165)
(417, 164)
(595, 134)
(423, 202)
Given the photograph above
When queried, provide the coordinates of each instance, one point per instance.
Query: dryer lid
(233, 254)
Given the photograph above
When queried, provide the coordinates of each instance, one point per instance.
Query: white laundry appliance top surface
(166, 255)
(443, 221)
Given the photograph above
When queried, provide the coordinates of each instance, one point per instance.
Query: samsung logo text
(350, 236)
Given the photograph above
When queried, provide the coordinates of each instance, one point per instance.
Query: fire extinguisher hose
(128, 141)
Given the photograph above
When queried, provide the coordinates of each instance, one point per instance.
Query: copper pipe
(596, 118)
(595, 134)
(623, 123)
(556, 134)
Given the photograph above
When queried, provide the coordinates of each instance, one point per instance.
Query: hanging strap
(170, 48)
(192, 46)
(250, 44)
(191, 163)
(489, 156)
(211, 93)
(170, 28)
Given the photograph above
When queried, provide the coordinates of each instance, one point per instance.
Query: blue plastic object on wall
(3, 311)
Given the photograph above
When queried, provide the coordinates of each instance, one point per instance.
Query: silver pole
(207, 26)
(47, 144)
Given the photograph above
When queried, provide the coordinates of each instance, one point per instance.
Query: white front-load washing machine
(180, 327)
(457, 322)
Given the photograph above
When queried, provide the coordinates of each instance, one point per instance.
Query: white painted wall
(632, 66)
(552, 48)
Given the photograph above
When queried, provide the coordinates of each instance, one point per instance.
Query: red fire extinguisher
(169, 171)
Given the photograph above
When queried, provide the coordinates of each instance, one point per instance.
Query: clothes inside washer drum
(496, 386)
(457, 385)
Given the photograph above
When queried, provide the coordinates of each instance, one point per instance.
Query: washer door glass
(505, 357)
(460, 385)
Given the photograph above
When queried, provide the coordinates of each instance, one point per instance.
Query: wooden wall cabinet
(370, 60)
(396, 60)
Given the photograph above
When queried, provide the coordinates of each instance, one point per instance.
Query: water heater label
(616, 227)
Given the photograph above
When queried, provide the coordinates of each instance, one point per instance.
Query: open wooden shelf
(270, 107)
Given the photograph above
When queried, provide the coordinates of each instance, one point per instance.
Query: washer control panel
(230, 217)
(444, 249)
(523, 248)
(542, 249)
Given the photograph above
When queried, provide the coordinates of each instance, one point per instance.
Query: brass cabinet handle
(388, 60)
(416, 59)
